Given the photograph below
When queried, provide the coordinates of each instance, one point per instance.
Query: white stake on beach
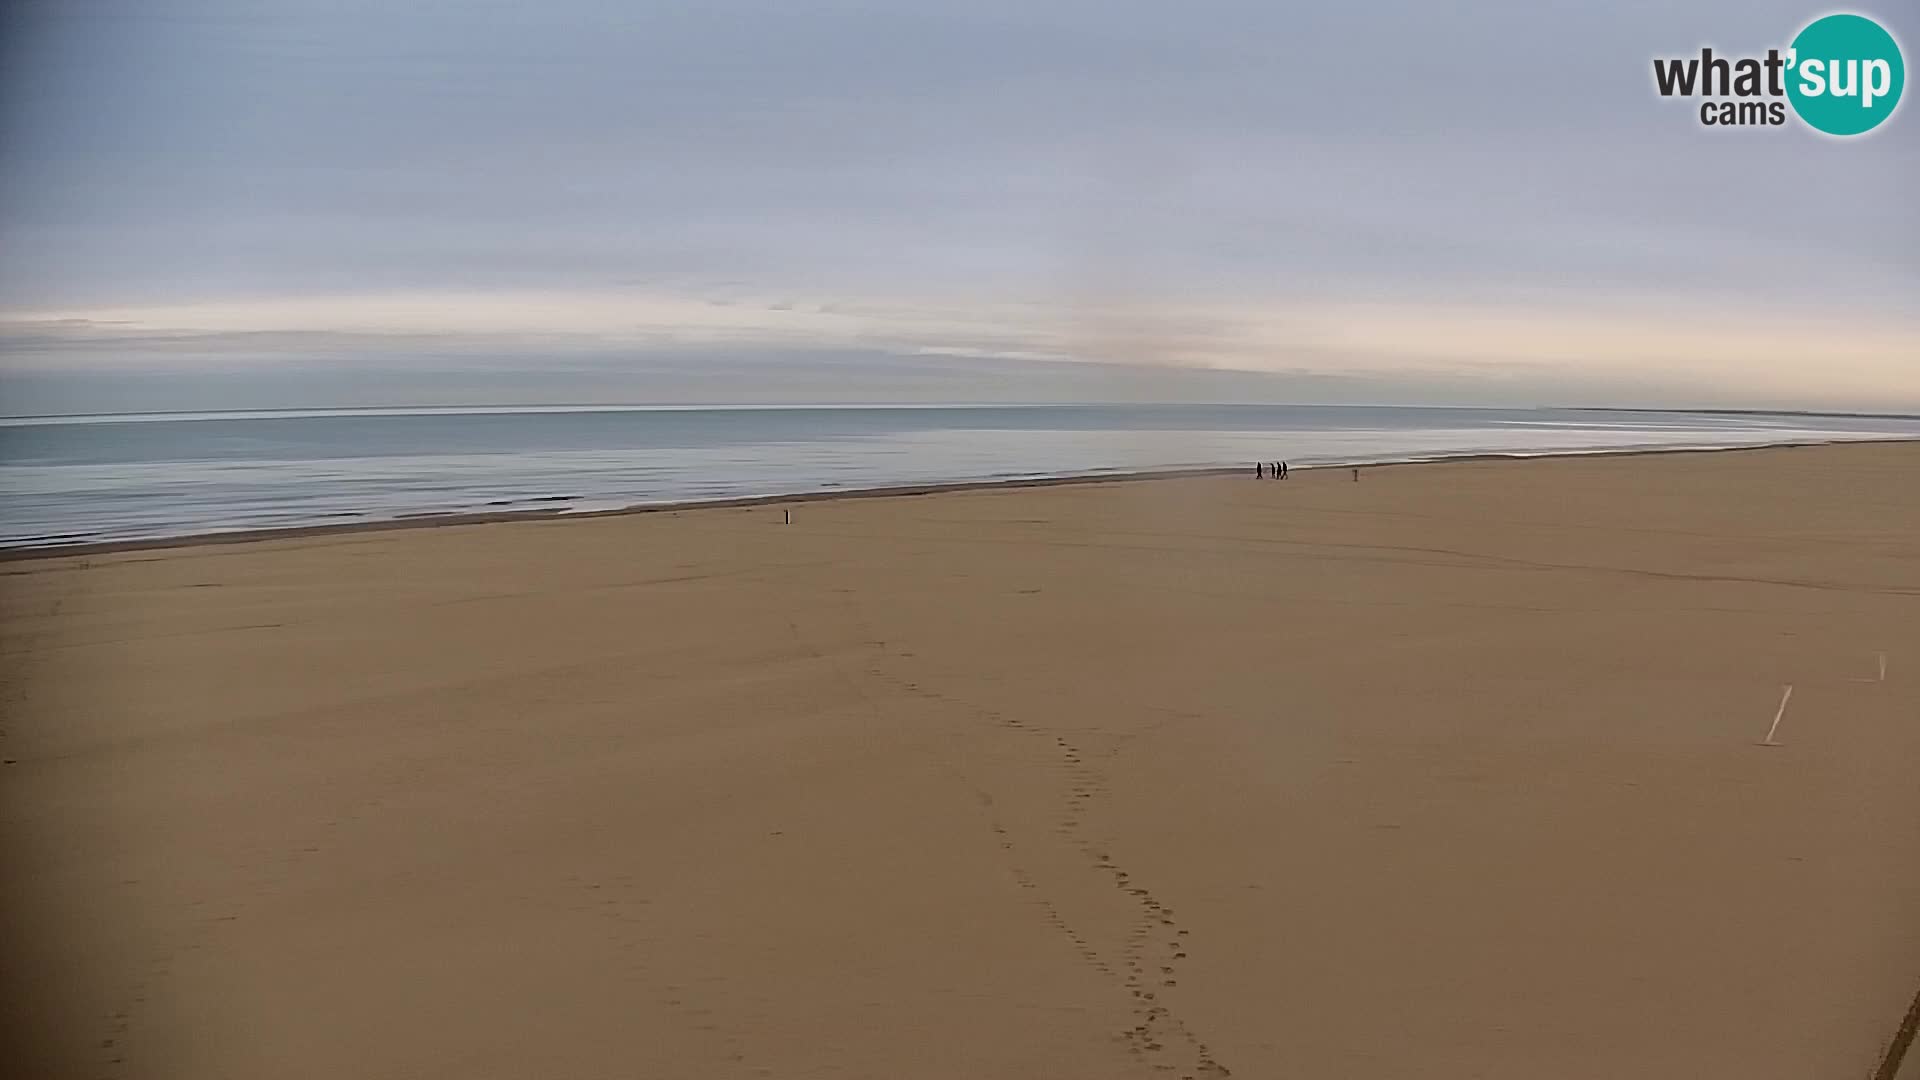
(789, 517)
(1883, 670)
(1784, 697)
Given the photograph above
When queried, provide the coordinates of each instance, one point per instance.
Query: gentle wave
(64, 484)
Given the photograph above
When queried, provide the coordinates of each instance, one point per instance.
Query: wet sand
(1452, 772)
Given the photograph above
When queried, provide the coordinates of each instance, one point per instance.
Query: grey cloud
(193, 149)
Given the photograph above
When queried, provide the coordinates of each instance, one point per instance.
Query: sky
(296, 203)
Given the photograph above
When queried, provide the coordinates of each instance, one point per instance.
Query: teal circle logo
(1845, 74)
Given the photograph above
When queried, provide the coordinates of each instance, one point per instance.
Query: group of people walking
(1278, 470)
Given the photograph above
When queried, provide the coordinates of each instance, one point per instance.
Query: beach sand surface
(1452, 772)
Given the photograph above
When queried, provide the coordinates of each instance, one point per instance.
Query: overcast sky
(245, 203)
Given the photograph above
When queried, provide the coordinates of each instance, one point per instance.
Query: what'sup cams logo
(1842, 75)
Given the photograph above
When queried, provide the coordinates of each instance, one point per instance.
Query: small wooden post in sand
(787, 517)
(1787, 694)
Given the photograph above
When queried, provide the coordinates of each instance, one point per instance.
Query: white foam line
(1784, 697)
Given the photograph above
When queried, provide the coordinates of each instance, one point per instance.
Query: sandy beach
(1455, 771)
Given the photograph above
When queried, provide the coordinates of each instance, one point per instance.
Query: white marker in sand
(1883, 670)
(1768, 741)
(789, 517)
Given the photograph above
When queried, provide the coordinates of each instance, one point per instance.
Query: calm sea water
(78, 479)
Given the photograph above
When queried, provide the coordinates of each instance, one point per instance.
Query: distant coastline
(1751, 412)
(297, 411)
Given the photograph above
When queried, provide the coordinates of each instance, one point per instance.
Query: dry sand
(1452, 772)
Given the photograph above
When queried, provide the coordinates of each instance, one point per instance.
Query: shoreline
(437, 520)
(888, 491)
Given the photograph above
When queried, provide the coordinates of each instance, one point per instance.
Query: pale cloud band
(1831, 362)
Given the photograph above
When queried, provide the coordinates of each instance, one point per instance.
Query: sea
(84, 479)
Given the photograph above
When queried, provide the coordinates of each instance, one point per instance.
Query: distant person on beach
(1259, 470)
(1284, 470)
